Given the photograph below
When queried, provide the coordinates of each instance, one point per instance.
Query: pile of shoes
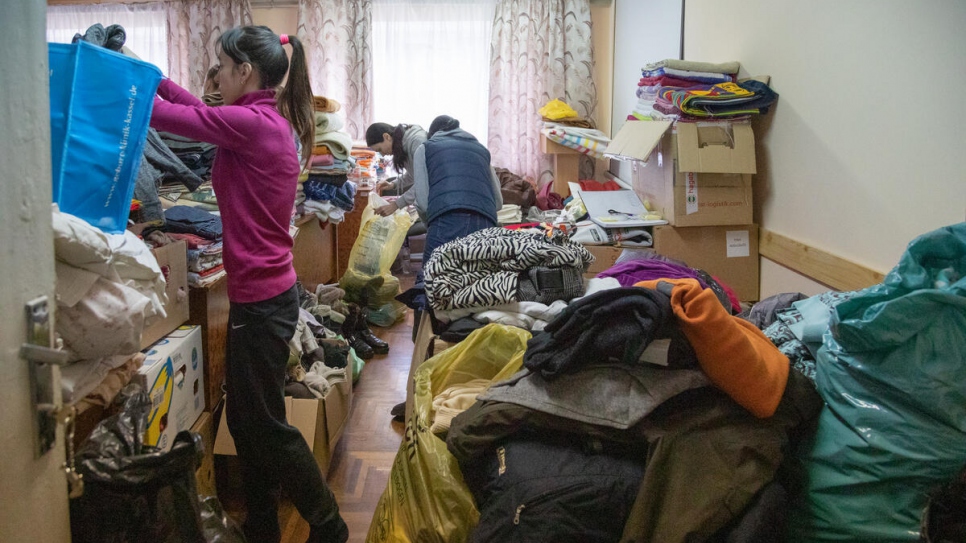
(355, 329)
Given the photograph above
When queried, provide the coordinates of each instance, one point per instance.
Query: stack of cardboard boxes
(698, 176)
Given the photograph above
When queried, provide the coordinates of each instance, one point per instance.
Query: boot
(362, 329)
(351, 334)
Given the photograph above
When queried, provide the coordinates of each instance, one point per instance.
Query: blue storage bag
(892, 371)
(100, 107)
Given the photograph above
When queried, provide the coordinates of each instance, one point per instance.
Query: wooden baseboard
(826, 268)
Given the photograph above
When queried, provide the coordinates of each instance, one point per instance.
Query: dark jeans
(453, 225)
(273, 455)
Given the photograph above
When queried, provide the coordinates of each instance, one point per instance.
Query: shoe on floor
(378, 346)
(398, 411)
(362, 349)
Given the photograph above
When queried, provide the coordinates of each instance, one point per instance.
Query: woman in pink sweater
(255, 174)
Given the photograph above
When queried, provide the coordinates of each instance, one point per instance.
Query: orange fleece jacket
(737, 357)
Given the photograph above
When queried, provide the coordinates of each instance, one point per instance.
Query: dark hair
(442, 123)
(400, 158)
(262, 48)
(375, 131)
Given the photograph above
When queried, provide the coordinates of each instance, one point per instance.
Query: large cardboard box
(173, 261)
(693, 174)
(173, 376)
(729, 253)
(321, 422)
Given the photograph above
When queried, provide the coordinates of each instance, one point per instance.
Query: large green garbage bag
(892, 371)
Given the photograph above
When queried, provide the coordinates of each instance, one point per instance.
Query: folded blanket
(328, 122)
(339, 143)
(694, 66)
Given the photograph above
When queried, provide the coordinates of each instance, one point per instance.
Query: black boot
(362, 329)
(351, 334)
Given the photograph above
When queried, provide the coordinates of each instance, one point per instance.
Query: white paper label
(690, 193)
(738, 244)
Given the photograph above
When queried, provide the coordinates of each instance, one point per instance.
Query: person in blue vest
(457, 191)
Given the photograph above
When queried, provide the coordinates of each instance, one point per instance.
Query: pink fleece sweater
(255, 175)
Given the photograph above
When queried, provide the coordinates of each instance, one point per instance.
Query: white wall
(33, 492)
(865, 147)
(644, 31)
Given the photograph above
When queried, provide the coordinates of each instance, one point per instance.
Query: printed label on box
(691, 193)
(738, 243)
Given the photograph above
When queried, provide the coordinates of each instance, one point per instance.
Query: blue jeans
(453, 225)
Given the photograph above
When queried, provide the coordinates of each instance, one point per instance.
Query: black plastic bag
(134, 492)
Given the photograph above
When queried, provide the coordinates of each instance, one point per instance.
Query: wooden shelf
(566, 165)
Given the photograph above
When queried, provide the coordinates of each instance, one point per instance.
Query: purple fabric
(634, 271)
(255, 175)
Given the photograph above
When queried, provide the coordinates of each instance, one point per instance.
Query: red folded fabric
(591, 185)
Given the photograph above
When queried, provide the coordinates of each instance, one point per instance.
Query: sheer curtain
(194, 27)
(336, 35)
(542, 49)
(144, 24)
(431, 57)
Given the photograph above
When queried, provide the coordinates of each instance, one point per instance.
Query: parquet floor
(363, 457)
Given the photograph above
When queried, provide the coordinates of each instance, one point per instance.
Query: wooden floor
(363, 457)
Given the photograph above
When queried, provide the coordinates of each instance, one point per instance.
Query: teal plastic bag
(100, 107)
(892, 371)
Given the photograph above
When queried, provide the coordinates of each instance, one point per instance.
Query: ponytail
(260, 47)
(295, 99)
(400, 158)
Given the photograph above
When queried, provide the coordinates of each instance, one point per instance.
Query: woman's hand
(386, 210)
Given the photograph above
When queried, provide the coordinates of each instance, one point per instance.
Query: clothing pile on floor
(332, 335)
(651, 408)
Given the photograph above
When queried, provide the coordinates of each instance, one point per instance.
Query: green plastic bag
(892, 371)
(426, 499)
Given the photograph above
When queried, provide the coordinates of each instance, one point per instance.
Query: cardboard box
(729, 253)
(205, 474)
(693, 174)
(604, 257)
(173, 261)
(321, 422)
(173, 375)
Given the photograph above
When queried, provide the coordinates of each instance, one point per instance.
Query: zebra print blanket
(483, 268)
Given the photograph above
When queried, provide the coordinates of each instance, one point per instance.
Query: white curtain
(432, 57)
(194, 27)
(145, 25)
(542, 49)
(336, 36)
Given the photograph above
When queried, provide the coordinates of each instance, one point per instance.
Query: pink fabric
(732, 295)
(255, 175)
(322, 160)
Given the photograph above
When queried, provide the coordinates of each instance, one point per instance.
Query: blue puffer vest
(458, 167)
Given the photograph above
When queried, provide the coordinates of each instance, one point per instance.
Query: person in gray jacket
(401, 142)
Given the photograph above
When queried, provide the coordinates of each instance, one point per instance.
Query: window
(145, 25)
(432, 57)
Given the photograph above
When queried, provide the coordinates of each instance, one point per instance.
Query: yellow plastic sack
(426, 499)
(555, 109)
(379, 239)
